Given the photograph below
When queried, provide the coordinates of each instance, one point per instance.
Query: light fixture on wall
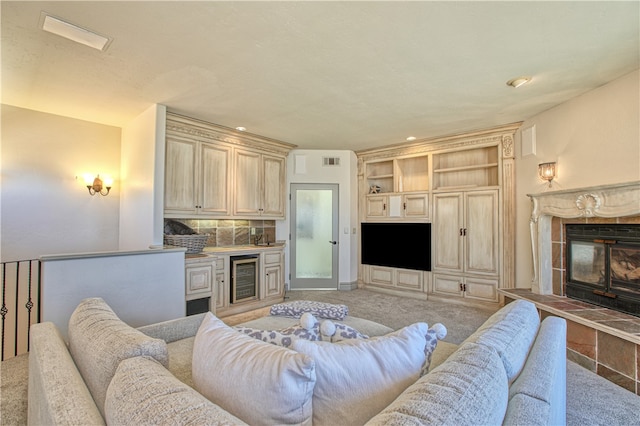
(97, 185)
(547, 171)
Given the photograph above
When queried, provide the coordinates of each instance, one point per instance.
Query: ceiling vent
(331, 161)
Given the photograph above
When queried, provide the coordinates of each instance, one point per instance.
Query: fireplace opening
(603, 265)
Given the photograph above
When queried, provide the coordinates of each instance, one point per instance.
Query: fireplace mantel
(607, 201)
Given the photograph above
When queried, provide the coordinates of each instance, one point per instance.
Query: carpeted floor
(591, 400)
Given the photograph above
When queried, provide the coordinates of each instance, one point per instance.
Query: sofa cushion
(143, 392)
(539, 394)
(99, 340)
(470, 388)
(511, 332)
(358, 378)
(232, 369)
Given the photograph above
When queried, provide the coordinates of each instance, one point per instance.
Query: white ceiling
(327, 75)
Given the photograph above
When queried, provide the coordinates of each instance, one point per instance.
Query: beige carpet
(592, 400)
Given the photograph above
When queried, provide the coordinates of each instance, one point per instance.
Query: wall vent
(331, 161)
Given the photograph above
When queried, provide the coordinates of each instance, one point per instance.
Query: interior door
(314, 237)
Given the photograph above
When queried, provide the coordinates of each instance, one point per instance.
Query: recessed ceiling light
(73, 32)
(241, 129)
(519, 81)
(411, 138)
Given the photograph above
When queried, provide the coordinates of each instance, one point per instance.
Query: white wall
(142, 169)
(142, 288)
(595, 140)
(45, 210)
(346, 177)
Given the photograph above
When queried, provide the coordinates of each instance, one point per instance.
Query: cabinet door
(409, 279)
(481, 289)
(180, 177)
(481, 232)
(447, 285)
(447, 232)
(273, 280)
(214, 163)
(248, 186)
(377, 206)
(273, 184)
(381, 275)
(198, 280)
(416, 205)
(221, 290)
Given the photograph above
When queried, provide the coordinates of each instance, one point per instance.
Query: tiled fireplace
(598, 338)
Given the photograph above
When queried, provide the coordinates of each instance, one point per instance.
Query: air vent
(331, 161)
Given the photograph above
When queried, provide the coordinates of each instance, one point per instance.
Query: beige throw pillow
(99, 340)
(142, 392)
(260, 383)
(356, 378)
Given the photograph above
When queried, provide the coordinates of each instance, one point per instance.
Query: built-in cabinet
(259, 183)
(463, 186)
(270, 283)
(466, 243)
(213, 172)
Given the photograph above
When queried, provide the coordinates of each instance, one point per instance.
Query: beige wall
(45, 209)
(595, 140)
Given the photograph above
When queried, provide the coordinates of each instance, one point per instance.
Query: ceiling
(321, 75)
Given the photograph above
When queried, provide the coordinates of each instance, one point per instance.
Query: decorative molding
(180, 126)
(599, 201)
(507, 146)
(606, 201)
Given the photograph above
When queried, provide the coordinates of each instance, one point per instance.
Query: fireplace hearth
(603, 265)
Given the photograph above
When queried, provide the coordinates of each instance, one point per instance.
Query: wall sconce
(547, 171)
(97, 185)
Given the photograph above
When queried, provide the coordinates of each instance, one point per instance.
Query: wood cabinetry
(216, 172)
(270, 279)
(464, 186)
(273, 273)
(198, 279)
(466, 243)
(196, 178)
(259, 185)
(398, 188)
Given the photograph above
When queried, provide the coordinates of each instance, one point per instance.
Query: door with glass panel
(314, 236)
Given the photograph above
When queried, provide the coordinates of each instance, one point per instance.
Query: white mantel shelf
(597, 201)
(606, 201)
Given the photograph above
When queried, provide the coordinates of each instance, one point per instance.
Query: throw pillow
(260, 383)
(357, 378)
(296, 308)
(469, 389)
(99, 340)
(142, 392)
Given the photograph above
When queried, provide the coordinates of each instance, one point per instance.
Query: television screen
(397, 245)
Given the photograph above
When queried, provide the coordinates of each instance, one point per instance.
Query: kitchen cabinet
(273, 273)
(213, 172)
(196, 179)
(259, 185)
(481, 289)
(221, 289)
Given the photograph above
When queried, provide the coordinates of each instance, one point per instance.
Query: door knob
(333, 242)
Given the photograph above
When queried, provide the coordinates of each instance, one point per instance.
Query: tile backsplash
(232, 232)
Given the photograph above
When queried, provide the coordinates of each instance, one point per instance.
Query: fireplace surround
(617, 203)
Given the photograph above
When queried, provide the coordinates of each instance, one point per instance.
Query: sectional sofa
(197, 370)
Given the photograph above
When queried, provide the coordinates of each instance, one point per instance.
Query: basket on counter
(193, 243)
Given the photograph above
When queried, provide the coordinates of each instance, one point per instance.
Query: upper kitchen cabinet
(220, 173)
(196, 178)
(259, 185)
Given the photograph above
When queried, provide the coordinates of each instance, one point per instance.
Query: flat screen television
(397, 245)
